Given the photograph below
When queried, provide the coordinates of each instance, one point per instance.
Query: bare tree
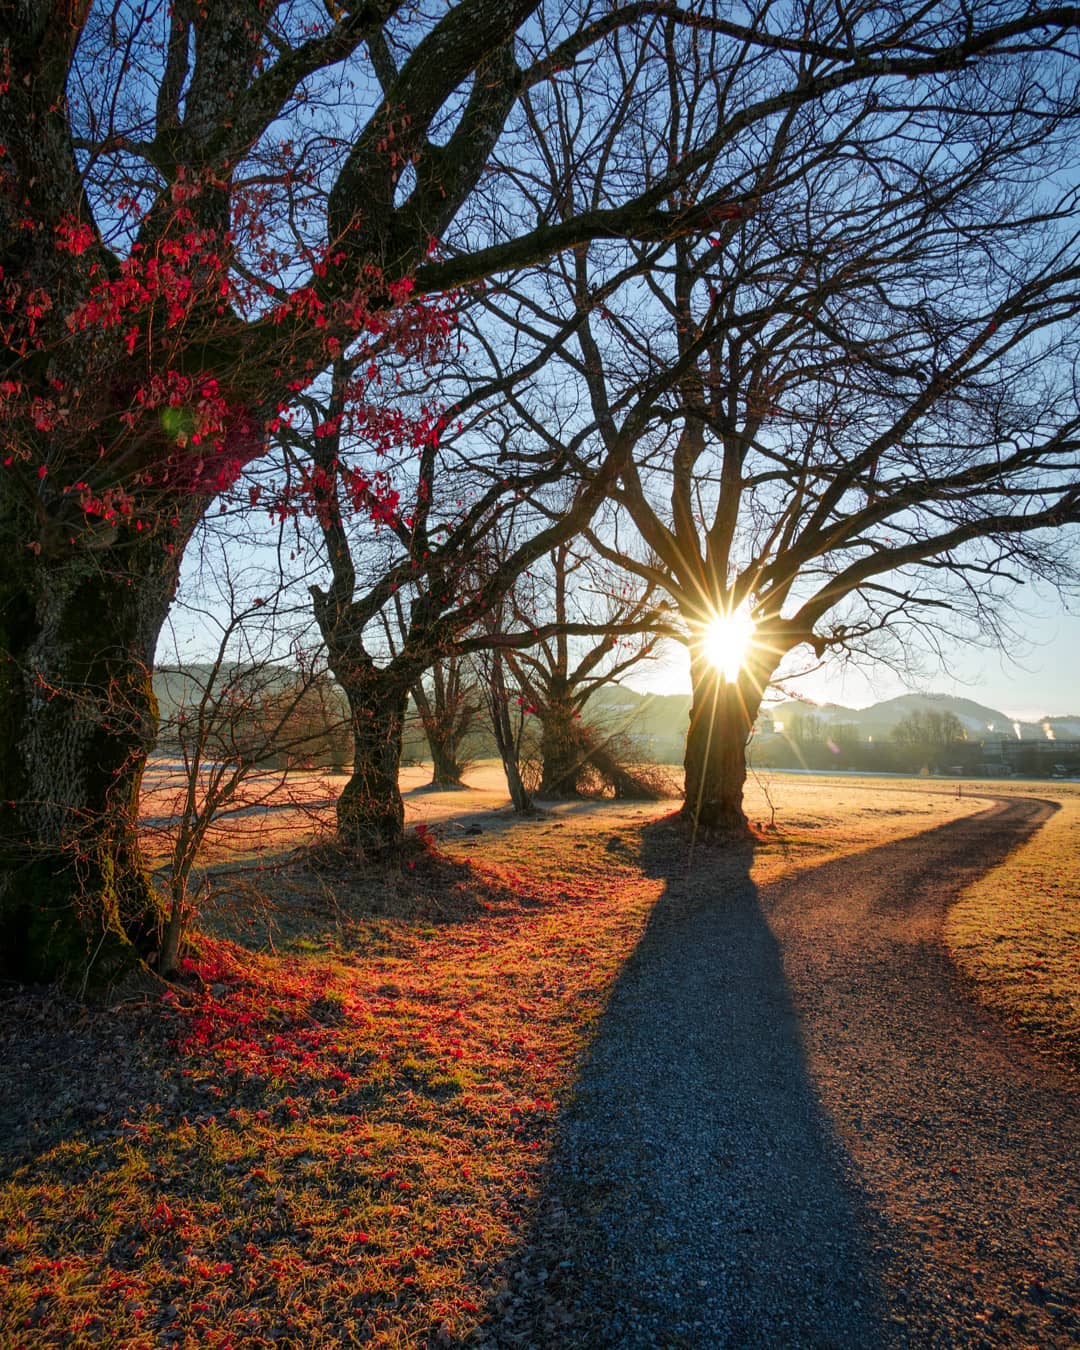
(869, 430)
(448, 710)
(252, 706)
(415, 587)
(473, 510)
(559, 676)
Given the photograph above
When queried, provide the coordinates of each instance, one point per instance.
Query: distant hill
(978, 720)
(658, 721)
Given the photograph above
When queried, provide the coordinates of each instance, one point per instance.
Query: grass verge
(318, 1146)
(1015, 934)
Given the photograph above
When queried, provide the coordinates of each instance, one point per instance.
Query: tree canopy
(848, 414)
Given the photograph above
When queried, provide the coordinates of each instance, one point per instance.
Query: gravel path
(795, 1129)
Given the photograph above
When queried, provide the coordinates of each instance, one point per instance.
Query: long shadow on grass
(696, 1193)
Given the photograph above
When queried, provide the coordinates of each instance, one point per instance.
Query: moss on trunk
(78, 633)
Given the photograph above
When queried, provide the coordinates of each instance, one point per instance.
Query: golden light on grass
(1015, 933)
(727, 639)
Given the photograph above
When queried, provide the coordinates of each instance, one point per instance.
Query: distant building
(1032, 759)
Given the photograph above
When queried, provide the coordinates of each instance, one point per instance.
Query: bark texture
(370, 812)
(78, 635)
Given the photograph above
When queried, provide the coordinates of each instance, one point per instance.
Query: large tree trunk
(562, 751)
(442, 738)
(446, 771)
(722, 715)
(370, 812)
(78, 633)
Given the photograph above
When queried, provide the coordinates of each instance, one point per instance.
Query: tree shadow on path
(696, 1194)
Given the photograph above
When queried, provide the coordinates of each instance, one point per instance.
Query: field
(334, 1132)
(822, 814)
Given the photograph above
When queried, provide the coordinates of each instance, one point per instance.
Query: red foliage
(140, 416)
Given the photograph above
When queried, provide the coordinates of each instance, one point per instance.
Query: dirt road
(795, 1128)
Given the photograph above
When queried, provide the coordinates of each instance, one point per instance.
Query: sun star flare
(727, 640)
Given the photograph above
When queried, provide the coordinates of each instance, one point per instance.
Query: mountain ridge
(663, 716)
(978, 719)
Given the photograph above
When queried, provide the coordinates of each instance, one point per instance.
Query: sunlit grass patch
(819, 818)
(1016, 933)
(340, 1146)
